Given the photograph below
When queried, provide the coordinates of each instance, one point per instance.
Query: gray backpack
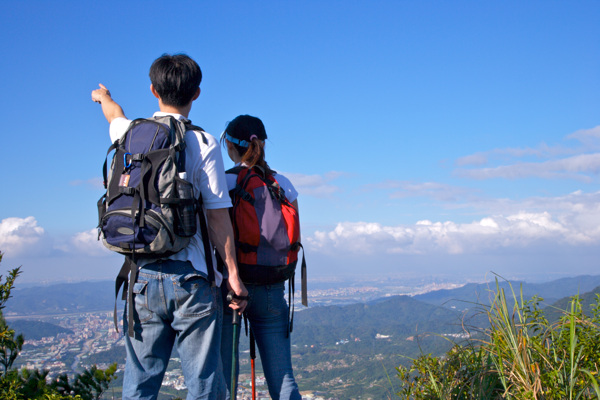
(149, 209)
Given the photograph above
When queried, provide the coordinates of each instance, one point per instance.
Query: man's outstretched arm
(110, 108)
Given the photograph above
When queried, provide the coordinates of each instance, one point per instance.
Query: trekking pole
(252, 365)
(236, 327)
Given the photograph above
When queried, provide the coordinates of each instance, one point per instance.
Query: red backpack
(266, 229)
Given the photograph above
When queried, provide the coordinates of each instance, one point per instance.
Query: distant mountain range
(99, 296)
(473, 294)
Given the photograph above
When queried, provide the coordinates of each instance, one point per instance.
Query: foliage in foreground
(33, 384)
(522, 356)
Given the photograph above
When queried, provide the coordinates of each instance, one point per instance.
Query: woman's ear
(232, 152)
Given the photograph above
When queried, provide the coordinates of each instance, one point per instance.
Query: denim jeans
(174, 304)
(267, 312)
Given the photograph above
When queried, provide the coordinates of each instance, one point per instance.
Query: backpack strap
(105, 167)
(303, 276)
(128, 270)
(191, 127)
(235, 170)
(291, 290)
(239, 189)
(208, 251)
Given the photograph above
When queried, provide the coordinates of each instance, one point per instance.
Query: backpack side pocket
(184, 209)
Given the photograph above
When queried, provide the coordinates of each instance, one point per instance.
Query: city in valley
(93, 339)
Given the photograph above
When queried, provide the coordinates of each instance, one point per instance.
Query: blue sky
(448, 138)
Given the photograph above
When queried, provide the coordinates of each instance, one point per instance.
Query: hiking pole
(252, 365)
(236, 326)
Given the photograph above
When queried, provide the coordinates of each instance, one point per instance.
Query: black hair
(176, 78)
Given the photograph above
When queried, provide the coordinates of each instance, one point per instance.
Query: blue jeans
(174, 304)
(267, 312)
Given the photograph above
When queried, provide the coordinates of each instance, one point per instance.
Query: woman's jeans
(174, 304)
(267, 312)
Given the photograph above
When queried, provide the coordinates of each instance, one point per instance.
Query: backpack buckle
(246, 196)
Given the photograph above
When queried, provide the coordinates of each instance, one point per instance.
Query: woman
(267, 310)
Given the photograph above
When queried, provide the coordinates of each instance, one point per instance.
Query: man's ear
(154, 92)
(196, 95)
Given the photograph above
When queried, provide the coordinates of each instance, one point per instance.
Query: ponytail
(255, 155)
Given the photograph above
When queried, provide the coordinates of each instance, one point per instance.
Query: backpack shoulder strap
(235, 170)
(191, 127)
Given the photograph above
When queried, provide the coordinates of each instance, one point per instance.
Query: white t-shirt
(205, 170)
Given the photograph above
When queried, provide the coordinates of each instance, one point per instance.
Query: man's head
(176, 79)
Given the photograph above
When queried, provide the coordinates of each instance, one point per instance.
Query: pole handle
(236, 315)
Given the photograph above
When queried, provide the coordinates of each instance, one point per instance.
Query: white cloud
(94, 183)
(589, 137)
(315, 185)
(404, 189)
(543, 161)
(542, 151)
(20, 235)
(580, 226)
(473, 159)
(85, 243)
(575, 167)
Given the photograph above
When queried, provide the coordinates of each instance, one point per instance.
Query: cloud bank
(315, 185)
(575, 221)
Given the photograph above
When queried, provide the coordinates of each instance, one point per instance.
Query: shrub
(26, 384)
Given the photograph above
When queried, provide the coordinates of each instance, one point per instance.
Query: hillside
(397, 315)
(35, 330)
(557, 309)
(479, 293)
(62, 298)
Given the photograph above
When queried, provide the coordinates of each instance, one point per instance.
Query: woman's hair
(248, 135)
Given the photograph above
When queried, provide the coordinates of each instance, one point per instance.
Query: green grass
(520, 356)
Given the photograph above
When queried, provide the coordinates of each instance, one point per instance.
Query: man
(174, 301)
